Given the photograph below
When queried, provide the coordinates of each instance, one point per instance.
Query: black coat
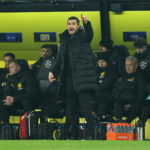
(144, 64)
(82, 60)
(106, 77)
(3, 75)
(22, 86)
(118, 53)
(129, 88)
(41, 68)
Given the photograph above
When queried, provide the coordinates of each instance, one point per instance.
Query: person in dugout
(75, 63)
(21, 91)
(143, 56)
(8, 57)
(48, 54)
(106, 77)
(128, 92)
(51, 105)
(117, 54)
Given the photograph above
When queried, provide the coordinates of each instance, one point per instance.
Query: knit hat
(107, 43)
(103, 56)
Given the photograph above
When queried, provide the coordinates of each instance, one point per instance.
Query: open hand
(8, 101)
(51, 77)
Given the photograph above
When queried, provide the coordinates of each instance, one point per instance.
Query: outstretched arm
(88, 31)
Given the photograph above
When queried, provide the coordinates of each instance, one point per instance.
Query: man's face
(141, 50)
(102, 63)
(13, 68)
(7, 60)
(72, 26)
(131, 67)
(103, 49)
(45, 52)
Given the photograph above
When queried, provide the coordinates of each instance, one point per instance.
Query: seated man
(143, 56)
(117, 54)
(106, 77)
(5, 71)
(21, 91)
(48, 54)
(52, 106)
(128, 92)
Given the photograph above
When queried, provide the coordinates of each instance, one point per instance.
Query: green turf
(73, 145)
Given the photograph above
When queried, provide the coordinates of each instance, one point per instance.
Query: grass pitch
(73, 145)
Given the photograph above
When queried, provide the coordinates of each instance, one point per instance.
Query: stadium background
(30, 22)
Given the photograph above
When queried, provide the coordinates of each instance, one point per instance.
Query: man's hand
(8, 101)
(4, 84)
(84, 19)
(127, 106)
(51, 77)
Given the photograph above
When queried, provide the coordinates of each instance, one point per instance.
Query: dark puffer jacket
(106, 78)
(82, 60)
(129, 88)
(23, 86)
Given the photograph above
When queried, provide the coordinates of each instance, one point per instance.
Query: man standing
(76, 65)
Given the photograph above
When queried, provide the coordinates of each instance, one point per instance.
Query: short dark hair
(53, 47)
(74, 18)
(10, 55)
(140, 42)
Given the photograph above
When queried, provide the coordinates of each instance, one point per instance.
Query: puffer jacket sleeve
(88, 32)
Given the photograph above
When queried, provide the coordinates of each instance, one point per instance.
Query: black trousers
(75, 101)
(130, 113)
(6, 111)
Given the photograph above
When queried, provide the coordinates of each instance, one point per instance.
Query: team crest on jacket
(131, 79)
(19, 85)
(143, 65)
(102, 75)
(48, 64)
